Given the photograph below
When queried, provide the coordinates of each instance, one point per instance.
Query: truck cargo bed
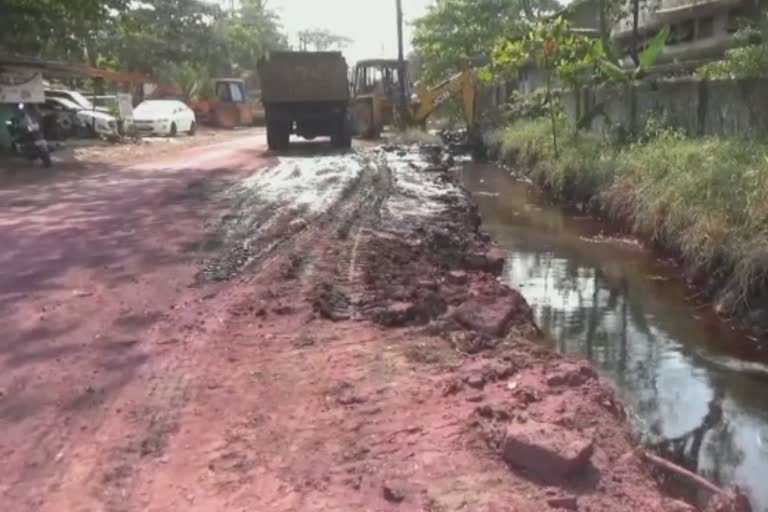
(290, 77)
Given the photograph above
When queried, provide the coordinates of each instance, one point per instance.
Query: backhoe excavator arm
(462, 84)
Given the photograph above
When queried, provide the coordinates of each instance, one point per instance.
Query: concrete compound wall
(697, 106)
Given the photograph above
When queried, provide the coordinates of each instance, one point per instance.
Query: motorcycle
(27, 139)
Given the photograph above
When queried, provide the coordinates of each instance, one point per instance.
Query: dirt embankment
(377, 363)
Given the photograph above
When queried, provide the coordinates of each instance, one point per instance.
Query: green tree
(162, 38)
(571, 58)
(64, 29)
(155, 33)
(244, 37)
(454, 32)
(750, 58)
(559, 52)
(319, 40)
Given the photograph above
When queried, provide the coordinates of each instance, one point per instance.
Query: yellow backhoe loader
(376, 97)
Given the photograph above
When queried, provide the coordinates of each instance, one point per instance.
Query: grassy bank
(706, 199)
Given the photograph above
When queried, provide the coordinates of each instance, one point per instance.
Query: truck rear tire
(278, 135)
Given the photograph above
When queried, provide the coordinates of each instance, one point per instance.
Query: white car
(104, 125)
(98, 123)
(75, 97)
(164, 117)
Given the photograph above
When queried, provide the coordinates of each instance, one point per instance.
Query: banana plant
(617, 75)
(647, 60)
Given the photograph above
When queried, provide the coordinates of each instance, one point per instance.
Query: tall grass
(704, 198)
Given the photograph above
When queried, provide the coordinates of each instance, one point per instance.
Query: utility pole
(401, 62)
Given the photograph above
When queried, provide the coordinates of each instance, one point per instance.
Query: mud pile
(427, 261)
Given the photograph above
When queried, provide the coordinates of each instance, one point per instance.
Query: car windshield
(81, 100)
(68, 104)
(75, 97)
(155, 107)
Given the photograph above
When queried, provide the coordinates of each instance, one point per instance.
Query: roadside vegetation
(749, 59)
(701, 198)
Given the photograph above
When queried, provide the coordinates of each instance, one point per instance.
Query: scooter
(27, 139)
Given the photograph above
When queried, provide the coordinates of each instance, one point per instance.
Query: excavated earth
(354, 350)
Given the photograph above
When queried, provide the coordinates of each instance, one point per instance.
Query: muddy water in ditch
(696, 389)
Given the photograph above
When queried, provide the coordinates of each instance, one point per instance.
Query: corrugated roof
(54, 69)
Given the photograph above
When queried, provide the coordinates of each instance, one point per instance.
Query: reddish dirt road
(95, 303)
(219, 331)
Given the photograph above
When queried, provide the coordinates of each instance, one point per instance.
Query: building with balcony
(701, 30)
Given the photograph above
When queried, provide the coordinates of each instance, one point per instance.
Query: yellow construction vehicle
(376, 94)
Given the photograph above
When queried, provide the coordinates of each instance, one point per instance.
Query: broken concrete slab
(492, 315)
(490, 260)
(546, 450)
(571, 374)
(476, 381)
(564, 502)
(392, 493)
(458, 277)
(396, 314)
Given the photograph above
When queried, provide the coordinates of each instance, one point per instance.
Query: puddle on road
(692, 383)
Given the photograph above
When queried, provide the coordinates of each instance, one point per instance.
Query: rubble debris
(476, 381)
(492, 314)
(571, 374)
(545, 450)
(564, 502)
(396, 314)
(330, 303)
(490, 260)
(392, 493)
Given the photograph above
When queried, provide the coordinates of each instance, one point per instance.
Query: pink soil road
(96, 305)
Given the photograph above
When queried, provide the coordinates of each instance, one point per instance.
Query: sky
(371, 24)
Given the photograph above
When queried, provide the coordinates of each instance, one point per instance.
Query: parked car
(72, 119)
(164, 117)
(99, 123)
(59, 119)
(75, 97)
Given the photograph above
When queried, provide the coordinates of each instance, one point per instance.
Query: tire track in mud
(257, 236)
(399, 200)
(261, 227)
(336, 291)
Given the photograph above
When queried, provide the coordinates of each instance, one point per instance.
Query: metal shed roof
(54, 69)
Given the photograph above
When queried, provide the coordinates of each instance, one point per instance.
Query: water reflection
(696, 388)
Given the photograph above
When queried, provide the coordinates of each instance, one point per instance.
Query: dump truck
(307, 94)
